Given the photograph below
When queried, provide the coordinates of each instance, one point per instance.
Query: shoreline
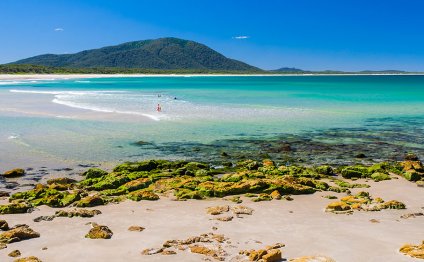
(9, 77)
(297, 220)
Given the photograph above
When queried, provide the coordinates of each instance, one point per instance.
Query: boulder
(242, 210)
(142, 195)
(78, 212)
(94, 173)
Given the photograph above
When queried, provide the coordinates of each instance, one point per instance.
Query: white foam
(13, 137)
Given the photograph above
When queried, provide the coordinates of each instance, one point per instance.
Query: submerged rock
(99, 232)
(17, 172)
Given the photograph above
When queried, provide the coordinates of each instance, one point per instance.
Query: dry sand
(302, 225)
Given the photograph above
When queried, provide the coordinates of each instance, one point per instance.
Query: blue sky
(308, 34)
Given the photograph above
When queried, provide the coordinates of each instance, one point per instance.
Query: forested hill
(162, 53)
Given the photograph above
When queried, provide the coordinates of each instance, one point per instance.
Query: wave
(105, 110)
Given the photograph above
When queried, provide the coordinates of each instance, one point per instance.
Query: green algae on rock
(17, 172)
(28, 259)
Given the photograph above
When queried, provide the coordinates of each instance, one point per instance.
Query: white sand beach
(301, 224)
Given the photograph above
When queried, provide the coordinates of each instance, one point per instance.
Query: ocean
(213, 117)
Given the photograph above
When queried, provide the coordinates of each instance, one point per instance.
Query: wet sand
(301, 224)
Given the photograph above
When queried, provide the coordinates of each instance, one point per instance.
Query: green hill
(162, 53)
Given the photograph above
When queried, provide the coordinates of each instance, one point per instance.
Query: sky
(348, 35)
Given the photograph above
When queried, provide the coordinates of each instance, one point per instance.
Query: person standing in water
(159, 108)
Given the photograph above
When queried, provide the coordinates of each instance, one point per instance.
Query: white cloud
(239, 37)
(59, 29)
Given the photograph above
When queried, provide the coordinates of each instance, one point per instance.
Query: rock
(275, 195)
(18, 233)
(416, 251)
(393, 204)
(337, 207)
(262, 197)
(2, 246)
(373, 220)
(242, 210)
(99, 232)
(168, 252)
(43, 218)
(312, 259)
(217, 210)
(136, 228)
(378, 176)
(272, 255)
(218, 255)
(142, 195)
(411, 215)
(4, 194)
(4, 225)
(94, 173)
(61, 181)
(355, 172)
(17, 172)
(91, 201)
(78, 213)
(225, 219)
(28, 259)
(14, 253)
(360, 155)
(420, 183)
(151, 251)
(411, 157)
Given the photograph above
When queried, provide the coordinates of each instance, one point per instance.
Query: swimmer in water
(159, 108)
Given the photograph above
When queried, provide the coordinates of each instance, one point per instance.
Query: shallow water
(203, 116)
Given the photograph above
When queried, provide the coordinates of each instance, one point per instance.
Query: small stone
(168, 252)
(18, 233)
(225, 219)
(44, 248)
(14, 253)
(136, 228)
(4, 225)
(217, 210)
(28, 259)
(99, 232)
(242, 210)
(373, 220)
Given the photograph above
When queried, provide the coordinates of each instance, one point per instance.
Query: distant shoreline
(6, 77)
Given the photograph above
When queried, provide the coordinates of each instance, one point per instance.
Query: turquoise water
(204, 110)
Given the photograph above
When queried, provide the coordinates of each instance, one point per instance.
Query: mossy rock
(61, 181)
(355, 172)
(94, 173)
(338, 206)
(325, 170)
(99, 232)
(262, 197)
(378, 176)
(148, 165)
(19, 233)
(15, 208)
(142, 195)
(91, 201)
(188, 194)
(248, 164)
(393, 204)
(17, 172)
(412, 176)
